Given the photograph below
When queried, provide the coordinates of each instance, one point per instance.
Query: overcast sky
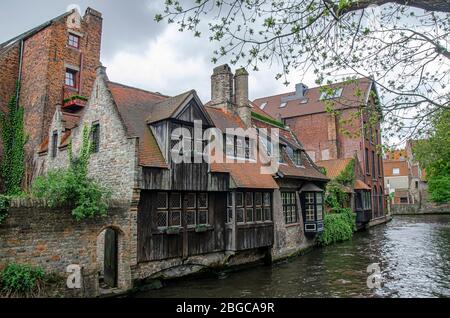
(138, 51)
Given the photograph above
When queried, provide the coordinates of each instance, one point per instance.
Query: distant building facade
(405, 179)
(352, 128)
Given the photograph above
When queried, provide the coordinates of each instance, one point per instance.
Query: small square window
(239, 199)
(203, 217)
(190, 218)
(161, 219)
(175, 201)
(240, 215)
(189, 201)
(175, 218)
(74, 40)
(161, 201)
(71, 78)
(249, 218)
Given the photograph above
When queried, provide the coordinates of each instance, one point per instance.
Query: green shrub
(338, 227)
(72, 185)
(439, 188)
(21, 280)
(4, 207)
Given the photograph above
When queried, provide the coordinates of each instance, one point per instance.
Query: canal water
(413, 254)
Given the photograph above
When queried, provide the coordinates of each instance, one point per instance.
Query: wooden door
(111, 258)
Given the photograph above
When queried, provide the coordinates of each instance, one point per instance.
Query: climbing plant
(72, 185)
(13, 139)
(4, 207)
(339, 225)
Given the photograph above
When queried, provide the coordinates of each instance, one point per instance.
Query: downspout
(19, 78)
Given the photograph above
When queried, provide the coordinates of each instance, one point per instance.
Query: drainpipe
(19, 79)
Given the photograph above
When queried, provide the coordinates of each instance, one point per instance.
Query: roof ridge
(34, 30)
(139, 89)
(314, 87)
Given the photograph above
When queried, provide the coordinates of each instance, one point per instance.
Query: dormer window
(263, 105)
(283, 105)
(71, 78)
(331, 94)
(74, 41)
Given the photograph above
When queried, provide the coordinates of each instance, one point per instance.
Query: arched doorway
(108, 257)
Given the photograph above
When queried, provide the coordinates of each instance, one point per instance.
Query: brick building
(53, 63)
(405, 179)
(337, 121)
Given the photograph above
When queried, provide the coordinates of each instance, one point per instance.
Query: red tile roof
(354, 94)
(334, 167)
(360, 185)
(134, 106)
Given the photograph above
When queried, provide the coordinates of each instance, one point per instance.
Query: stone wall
(427, 208)
(289, 239)
(53, 239)
(115, 165)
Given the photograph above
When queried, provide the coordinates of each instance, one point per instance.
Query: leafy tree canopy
(402, 45)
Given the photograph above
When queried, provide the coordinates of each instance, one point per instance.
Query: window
(54, 144)
(309, 206)
(283, 105)
(96, 137)
(319, 206)
(280, 154)
(263, 105)
(374, 172)
(396, 171)
(403, 200)
(379, 166)
(74, 41)
(297, 157)
(172, 209)
(289, 200)
(71, 78)
(367, 162)
(251, 207)
(330, 94)
(416, 184)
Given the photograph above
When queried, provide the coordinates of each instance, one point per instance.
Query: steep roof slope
(354, 94)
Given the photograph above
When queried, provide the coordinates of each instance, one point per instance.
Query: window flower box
(201, 228)
(173, 230)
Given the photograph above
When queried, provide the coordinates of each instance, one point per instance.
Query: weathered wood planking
(154, 245)
(184, 177)
(254, 236)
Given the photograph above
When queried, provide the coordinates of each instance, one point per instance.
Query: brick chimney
(222, 88)
(243, 108)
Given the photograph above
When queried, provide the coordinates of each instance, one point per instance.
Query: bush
(439, 189)
(63, 186)
(4, 207)
(18, 280)
(338, 227)
(72, 185)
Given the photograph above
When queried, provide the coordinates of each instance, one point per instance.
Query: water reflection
(413, 253)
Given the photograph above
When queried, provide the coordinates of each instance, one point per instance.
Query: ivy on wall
(339, 225)
(12, 166)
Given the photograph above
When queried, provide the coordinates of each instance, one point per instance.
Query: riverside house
(183, 217)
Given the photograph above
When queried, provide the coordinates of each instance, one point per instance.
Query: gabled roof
(6, 45)
(334, 167)
(354, 94)
(166, 108)
(134, 106)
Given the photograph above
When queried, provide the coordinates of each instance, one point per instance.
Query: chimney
(241, 96)
(300, 90)
(300, 93)
(222, 87)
